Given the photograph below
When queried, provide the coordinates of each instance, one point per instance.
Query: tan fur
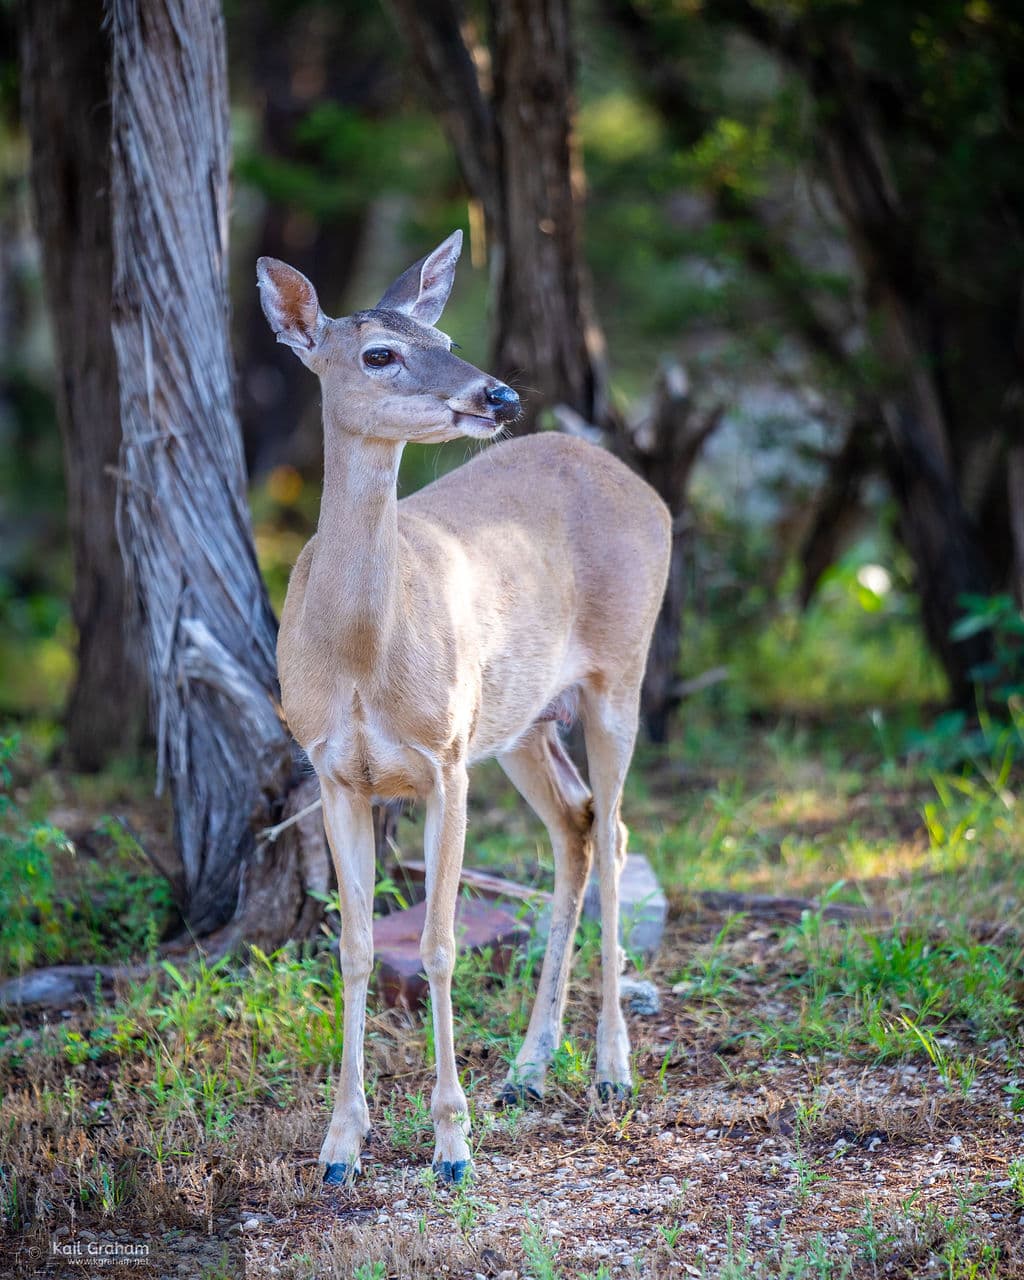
(421, 636)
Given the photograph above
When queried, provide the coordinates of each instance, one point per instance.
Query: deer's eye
(378, 357)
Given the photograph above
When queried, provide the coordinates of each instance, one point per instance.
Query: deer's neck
(354, 576)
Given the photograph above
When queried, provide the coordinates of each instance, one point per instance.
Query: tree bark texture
(508, 112)
(183, 520)
(66, 90)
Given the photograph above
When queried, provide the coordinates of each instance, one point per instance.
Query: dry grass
(814, 1100)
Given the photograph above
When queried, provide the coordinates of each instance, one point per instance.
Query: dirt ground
(746, 1167)
(739, 1155)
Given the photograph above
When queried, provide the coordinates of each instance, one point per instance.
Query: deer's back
(579, 494)
(571, 519)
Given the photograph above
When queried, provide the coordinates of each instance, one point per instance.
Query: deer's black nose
(504, 399)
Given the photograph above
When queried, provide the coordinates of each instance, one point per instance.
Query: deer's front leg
(348, 820)
(444, 840)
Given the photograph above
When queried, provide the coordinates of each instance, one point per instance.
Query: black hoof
(518, 1095)
(608, 1091)
(453, 1171)
(339, 1174)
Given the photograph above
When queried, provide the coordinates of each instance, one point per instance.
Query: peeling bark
(183, 520)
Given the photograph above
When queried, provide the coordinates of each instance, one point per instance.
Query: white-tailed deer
(421, 636)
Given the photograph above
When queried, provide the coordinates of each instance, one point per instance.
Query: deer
(463, 622)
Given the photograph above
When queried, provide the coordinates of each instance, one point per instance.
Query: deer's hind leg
(610, 715)
(546, 778)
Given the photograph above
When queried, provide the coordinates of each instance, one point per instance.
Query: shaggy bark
(66, 94)
(508, 112)
(182, 517)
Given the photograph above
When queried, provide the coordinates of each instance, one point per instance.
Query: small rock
(251, 1224)
(644, 999)
(396, 944)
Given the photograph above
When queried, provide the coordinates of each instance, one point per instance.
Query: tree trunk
(66, 87)
(546, 337)
(183, 519)
(514, 142)
(663, 448)
(1015, 491)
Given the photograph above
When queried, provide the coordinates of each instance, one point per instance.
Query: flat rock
(643, 907)
(396, 942)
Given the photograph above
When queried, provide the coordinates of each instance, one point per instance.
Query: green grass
(58, 905)
(228, 1064)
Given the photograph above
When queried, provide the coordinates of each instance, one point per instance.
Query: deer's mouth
(475, 424)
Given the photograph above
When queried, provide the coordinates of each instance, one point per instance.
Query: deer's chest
(361, 747)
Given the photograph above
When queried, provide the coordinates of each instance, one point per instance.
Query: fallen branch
(697, 684)
(63, 984)
(764, 906)
(270, 834)
(483, 882)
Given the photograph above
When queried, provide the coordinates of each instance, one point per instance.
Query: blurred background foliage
(714, 238)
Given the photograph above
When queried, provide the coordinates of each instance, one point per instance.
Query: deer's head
(389, 372)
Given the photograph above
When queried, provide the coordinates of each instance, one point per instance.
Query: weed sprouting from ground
(797, 1055)
(541, 1253)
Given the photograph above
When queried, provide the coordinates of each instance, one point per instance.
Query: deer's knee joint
(611, 839)
(356, 956)
(438, 955)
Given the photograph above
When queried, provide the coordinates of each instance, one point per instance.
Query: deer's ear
(422, 291)
(290, 304)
